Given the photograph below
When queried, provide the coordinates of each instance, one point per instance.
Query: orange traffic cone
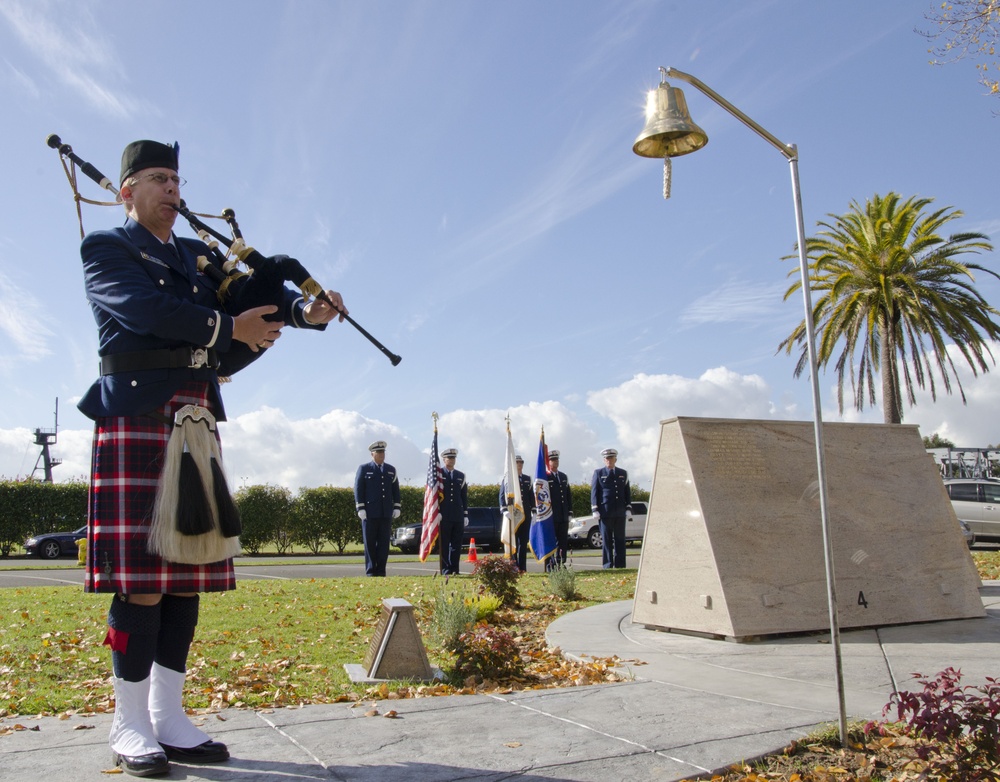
(472, 551)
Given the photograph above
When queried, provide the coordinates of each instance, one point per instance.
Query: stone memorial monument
(734, 546)
(396, 650)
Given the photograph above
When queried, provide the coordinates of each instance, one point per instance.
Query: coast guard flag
(432, 502)
(513, 514)
(542, 535)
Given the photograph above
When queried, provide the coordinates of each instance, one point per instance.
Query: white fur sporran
(194, 521)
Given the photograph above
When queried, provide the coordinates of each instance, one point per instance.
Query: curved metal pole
(831, 580)
(791, 152)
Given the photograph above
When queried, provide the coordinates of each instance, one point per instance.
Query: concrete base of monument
(734, 546)
(358, 674)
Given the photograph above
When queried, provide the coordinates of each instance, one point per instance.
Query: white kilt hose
(128, 457)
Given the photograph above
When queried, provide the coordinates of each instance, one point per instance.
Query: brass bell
(670, 131)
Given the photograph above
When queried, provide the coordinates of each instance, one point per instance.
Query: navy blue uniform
(376, 492)
(528, 502)
(562, 506)
(454, 505)
(611, 499)
(146, 298)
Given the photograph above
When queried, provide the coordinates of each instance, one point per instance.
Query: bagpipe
(261, 284)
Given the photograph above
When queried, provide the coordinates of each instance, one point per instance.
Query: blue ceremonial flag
(542, 535)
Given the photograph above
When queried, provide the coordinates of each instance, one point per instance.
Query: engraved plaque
(734, 544)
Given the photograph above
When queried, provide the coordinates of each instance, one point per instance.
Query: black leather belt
(167, 358)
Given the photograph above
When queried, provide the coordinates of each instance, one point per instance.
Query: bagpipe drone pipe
(238, 291)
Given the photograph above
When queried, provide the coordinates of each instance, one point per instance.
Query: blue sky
(462, 173)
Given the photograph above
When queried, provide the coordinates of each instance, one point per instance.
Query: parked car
(967, 533)
(977, 503)
(586, 530)
(484, 525)
(54, 544)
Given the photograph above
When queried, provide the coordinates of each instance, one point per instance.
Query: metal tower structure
(45, 438)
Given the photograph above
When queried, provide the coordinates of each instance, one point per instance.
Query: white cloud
(735, 301)
(966, 425)
(75, 51)
(25, 336)
(266, 446)
(638, 406)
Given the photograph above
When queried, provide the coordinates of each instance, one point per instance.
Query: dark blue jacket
(561, 496)
(455, 501)
(376, 491)
(610, 496)
(145, 298)
(527, 495)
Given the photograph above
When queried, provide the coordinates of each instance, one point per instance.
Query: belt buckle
(199, 358)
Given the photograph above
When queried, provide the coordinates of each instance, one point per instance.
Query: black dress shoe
(143, 765)
(209, 752)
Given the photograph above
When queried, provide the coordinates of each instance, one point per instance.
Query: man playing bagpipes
(162, 526)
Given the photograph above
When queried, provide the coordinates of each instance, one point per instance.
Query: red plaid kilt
(127, 456)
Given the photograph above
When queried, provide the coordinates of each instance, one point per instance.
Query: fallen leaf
(512, 744)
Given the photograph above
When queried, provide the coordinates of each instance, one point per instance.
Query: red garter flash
(117, 640)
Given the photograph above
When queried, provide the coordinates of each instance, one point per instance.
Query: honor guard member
(376, 492)
(611, 500)
(160, 332)
(562, 507)
(521, 534)
(454, 513)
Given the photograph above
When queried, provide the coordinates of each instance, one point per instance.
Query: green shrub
(485, 605)
(499, 575)
(264, 512)
(453, 615)
(326, 514)
(562, 582)
(33, 507)
(488, 652)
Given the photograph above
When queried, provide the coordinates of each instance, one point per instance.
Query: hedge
(271, 515)
(31, 507)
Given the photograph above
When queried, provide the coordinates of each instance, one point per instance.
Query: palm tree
(891, 283)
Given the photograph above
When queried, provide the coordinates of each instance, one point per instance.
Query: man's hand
(318, 311)
(362, 514)
(251, 328)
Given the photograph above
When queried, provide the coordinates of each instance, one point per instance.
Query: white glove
(628, 515)
(466, 521)
(362, 514)
(395, 513)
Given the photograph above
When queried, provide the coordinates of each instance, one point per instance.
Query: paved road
(64, 572)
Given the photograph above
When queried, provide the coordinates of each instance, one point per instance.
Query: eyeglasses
(162, 179)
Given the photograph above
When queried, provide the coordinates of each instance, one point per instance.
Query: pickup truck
(484, 525)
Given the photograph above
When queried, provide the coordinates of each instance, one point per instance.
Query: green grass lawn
(267, 643)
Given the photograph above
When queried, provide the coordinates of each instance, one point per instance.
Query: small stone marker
(396, 650)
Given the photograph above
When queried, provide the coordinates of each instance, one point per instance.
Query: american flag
(432, 502)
